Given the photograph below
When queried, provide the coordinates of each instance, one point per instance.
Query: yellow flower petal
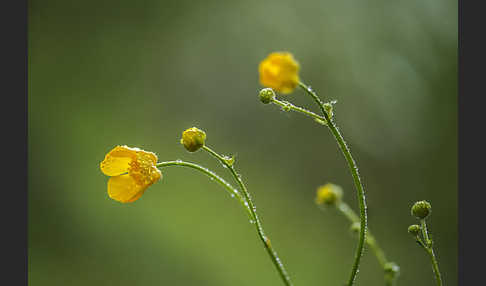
(118, 160)
(279, 71)
(125, 189)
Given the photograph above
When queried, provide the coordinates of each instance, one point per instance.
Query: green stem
(425, 233)
(390, 282)
(259, 228)
(420, 242)
(290, 106)
(370, 239)
(233, 192)
(357, 181)
(430, 251)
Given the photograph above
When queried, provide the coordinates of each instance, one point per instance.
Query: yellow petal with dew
(118, 160)
(125, 189)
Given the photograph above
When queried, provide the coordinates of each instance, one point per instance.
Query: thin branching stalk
(290, 106)
(228, 163)
(327, 120)
(428, 247)
(357, 180)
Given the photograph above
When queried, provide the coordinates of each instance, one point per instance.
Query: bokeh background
(106, 73)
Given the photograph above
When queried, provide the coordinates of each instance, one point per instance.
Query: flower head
(414, 229)
(193, 139)
(132, 171)
(266, 95)
(421, 209)
(329, 194)
(280, 72)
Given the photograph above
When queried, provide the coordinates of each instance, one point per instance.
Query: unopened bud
(266, 95)
(421, 209)
(414, 229)
(193, 139)
(329, 194)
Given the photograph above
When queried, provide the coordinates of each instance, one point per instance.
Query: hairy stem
(430, 251)
(259, 228)
(290, 106)
(357, 181)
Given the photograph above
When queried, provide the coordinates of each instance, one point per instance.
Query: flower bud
(193, 139)
(421, 209)
(414, 229)
(329, 194)
(266, 95)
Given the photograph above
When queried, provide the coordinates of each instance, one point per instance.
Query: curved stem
(430, 251)
(259, 228)
(357, 181)
(233, 192)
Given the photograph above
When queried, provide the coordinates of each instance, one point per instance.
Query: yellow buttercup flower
(279, 71)
(132, 171)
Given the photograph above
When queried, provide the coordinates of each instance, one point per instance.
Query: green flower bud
(266, 95)
(414, 229)
(329, 194)
(193, 139)
(421, 209)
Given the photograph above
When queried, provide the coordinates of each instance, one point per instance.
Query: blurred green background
(107, 73)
